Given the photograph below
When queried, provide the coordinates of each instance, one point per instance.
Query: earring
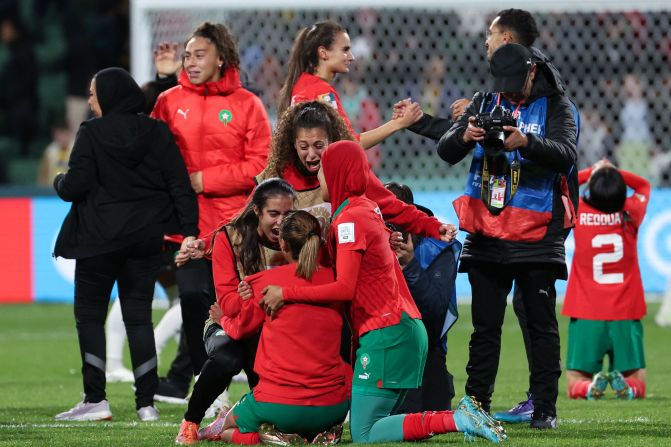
(220, 65)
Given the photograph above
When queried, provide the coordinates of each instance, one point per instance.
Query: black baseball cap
(509, 66)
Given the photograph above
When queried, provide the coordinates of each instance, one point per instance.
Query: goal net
(614, 61)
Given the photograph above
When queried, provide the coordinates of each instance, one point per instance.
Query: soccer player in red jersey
(319, 53)
(605, 298)
(303, 383)
(247, 245)
(392, 341)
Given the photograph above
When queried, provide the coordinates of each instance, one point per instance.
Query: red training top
(298, 359)
(309, 87)
(223, 131)
(605, 281)
(227, 270)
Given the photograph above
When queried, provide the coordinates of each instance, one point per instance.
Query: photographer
(509, 26)
(516, 209)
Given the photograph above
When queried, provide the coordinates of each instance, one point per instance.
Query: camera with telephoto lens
(492, 123)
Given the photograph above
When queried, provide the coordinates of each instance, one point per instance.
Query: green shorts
(590, 340)
(307, 421)
(391, 358)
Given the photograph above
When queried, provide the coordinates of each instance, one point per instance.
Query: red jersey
(381, 294)
(309, 198)
(227, 270)
(298, 359)
(309, 87)
(605, 281)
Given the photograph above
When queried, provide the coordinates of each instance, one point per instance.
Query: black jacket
(556, 151)
(126, 178)
(435, 127)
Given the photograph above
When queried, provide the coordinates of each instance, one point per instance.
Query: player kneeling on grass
(303, 384)
(392, 340)
(605, 297)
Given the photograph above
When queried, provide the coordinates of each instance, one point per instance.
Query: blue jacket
(431, 279)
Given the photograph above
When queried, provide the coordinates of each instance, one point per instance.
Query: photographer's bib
(516, 201)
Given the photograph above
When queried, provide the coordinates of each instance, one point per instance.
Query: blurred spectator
(18, 77)
(635, 144)
(56, 155)
(364, 113)
(593, 135)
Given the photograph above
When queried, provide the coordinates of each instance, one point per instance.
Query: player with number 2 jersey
(605, 297)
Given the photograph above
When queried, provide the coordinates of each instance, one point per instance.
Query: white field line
(89, 425)
(635, 420)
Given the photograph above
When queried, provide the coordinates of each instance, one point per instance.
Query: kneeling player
(605, 297)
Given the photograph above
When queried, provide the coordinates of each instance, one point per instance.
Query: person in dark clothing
(516, 209)
(430, 270)
(128, 186)
(18, 96)
(509, 26)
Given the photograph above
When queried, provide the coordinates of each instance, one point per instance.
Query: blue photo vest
(529, 211)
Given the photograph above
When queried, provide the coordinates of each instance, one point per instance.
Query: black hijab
(118, 92)
(123, 132)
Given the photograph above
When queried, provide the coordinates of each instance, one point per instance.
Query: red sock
(245, 438)
(637, 385)
(578, 390)
(417, 426)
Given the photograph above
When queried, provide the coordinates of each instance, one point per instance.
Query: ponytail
(304, 57)
(301, 231)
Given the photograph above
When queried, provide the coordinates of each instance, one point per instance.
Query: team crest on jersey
(225, 116)
(346, 233)
(365, 360)
(328, 98)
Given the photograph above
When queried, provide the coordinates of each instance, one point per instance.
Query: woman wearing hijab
(128, 186)
(392, 341)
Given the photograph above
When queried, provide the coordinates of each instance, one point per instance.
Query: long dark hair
(305, 115)
(247, 222)
(223, 41)
(301, 231)
(304, 57)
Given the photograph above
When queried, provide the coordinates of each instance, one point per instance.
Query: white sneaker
(120, 375)
(223, 401)
(86, 411)
(242, 377)
(148, 414)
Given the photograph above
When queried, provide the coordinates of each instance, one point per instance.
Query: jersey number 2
(603, 258)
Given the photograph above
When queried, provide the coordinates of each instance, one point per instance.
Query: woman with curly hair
(303, 132)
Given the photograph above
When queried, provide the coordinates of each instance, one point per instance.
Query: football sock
(245, 438)
(637, 386)
(418, 426)
(578, 390)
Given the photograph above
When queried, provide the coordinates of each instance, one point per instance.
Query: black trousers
(134, 269)
(437, 388)
(490, 285)
(196, 290)
(521, 313)
(181, 370)
(226, 358)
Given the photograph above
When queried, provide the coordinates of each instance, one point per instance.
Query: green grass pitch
(40, 376)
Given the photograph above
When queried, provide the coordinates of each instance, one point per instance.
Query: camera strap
(493, 188)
